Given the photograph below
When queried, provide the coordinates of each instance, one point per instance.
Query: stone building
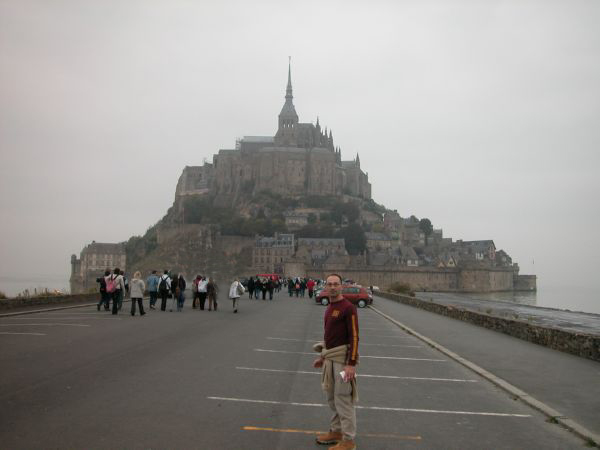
(300, 159)
(319, 251)
(94, 259)
(270, 253)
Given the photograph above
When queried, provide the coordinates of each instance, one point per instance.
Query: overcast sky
(482, 116)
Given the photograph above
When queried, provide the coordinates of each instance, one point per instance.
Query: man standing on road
(339, 356)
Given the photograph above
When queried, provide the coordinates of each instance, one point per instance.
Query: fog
(481, 116)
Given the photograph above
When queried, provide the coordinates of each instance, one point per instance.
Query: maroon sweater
(341, 328)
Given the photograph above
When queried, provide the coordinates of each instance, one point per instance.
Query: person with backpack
(137, 293)
(164, 286)
(104, 296)
(111, 286)
(119, 290)
(235, 291)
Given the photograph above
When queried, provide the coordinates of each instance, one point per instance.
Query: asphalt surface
(218, 380)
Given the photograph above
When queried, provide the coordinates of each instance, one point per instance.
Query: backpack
(240, 288)
(162, 286)
(111, 285)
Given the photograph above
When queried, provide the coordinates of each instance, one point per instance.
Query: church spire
(288, 118)
(288, 90)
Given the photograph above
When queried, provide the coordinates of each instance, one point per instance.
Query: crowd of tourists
(170, 290)
(167, 287)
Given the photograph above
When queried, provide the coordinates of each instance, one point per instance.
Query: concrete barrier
(580, 344)
(9, 304)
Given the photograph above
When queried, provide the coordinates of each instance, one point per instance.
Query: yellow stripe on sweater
(354, 338)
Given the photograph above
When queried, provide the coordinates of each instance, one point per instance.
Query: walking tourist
(338, 359)
(235, 291)
(202, 291)
(104, 296)
(137, 293)
(211, 292)
(195, 291)
(264, 284)
(250, 288)
(152, 286)
(164, 286)
(310, 285)
(119, 292)
(178, 291)
(270, 288)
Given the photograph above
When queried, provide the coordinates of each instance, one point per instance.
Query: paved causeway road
(80, 378)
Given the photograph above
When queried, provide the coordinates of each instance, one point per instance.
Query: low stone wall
(580, 344)
(21, 302)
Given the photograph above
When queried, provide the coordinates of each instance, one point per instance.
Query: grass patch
(402, 288)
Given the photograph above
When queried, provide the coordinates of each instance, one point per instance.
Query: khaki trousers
(339, 397)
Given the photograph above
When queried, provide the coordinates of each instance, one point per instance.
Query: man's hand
(318, 363)
(350, 373)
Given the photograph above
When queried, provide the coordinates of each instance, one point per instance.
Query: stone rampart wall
(419, 279)
(483, 280)
(525, 283)
(426, 279)
(22, 302)
(580, 344)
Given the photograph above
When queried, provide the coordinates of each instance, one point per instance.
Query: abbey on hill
(288, 204)
(301, 159)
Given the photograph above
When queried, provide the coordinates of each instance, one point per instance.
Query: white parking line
(64, 318)
(361, 375)
(373, 408)
(362, 343)
(43, 325)
(378, 337)
(28, 334)
(361, 356)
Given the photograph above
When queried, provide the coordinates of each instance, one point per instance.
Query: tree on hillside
(354, 236)
(348, 210)
(426, 227)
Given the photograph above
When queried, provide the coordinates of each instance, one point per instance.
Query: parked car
(358, 295)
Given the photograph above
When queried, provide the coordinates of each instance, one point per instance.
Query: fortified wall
(428, 278)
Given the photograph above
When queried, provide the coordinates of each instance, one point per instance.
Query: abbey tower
(301, 159)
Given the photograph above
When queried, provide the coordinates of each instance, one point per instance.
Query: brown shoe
(333, 437)
(344, 445)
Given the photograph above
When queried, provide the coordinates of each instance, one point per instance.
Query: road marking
(291, 430)
(64, 318)
(361, 356)
(43, 325)
(377, 337)
(361, 375)
(372, 408)
(28, 334)
(362, 343)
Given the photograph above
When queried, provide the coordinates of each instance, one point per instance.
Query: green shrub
(2, 295)
(402, 288)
